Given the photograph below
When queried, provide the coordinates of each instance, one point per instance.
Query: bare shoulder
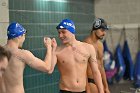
(87, 40)
(25, 52)
(100, 46)
(100, 50)
(88, 46)
(91, 50)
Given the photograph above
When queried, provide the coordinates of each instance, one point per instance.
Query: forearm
(104, 78)
(53, 61)
(48, 57)
(102, 71)
(98, 81)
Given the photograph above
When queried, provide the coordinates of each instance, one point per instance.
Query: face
(3, 65)
(65, 36)
(100, 33)
(22, 39)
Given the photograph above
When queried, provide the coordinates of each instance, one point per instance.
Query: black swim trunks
(91, 80)
(65, 91)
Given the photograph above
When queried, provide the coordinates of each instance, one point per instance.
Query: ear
(20, 36)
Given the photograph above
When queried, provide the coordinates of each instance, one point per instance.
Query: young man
(4, 58)
(97, 33)
(72, 58)
(13, 75)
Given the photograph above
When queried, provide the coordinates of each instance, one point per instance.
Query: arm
(54, 58)
(102, 70)
(87, 86)
(95, 69)
(35, 62)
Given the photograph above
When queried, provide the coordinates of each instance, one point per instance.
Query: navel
(63, 61)
(77, 81)
(84, 60)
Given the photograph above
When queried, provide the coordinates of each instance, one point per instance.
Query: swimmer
(72, 58)
(97, 33)
(13, 75)
(4, 58)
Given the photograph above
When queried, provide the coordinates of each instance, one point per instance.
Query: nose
(104, 33)
(60, 35)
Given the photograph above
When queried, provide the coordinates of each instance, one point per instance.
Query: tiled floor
(122, 87)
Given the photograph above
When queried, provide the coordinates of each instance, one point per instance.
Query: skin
(3, 66)
(94, 39)
(72, 58)
(13, 75)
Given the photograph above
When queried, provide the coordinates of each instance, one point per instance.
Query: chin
(20, 47)
(64, 42)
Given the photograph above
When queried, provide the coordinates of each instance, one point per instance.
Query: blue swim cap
(67, 24)
(14, 30)
(100, 23)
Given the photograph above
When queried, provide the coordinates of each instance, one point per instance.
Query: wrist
(49, 46)
(53, 49)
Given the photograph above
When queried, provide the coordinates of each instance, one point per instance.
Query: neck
(12, 44)
(71, 43)
(94, 37)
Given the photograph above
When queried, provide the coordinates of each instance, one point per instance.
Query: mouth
(101, 37)
(62, 39)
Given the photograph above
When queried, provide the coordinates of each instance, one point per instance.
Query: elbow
(97, 73)
(49, 72)
(47, 69)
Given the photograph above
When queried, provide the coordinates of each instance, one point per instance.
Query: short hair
(4, 53)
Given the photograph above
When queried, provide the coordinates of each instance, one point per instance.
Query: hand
(107, 90)
(54, 44)
(47, 41)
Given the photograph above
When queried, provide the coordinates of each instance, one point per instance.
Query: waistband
(65, 91)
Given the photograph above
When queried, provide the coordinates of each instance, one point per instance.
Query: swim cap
(100, 24)
(67, 24)
(15, 30)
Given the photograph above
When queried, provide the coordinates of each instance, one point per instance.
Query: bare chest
(72, 56)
